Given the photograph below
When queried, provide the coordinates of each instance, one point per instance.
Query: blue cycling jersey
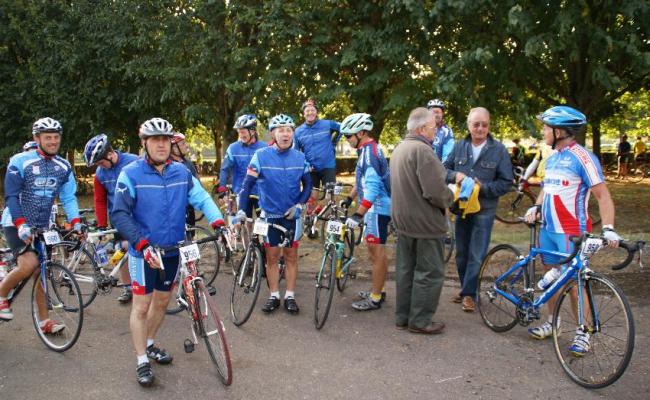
(150, 206)
(107, 177)
(235, 164)
(370, 175)
(443, 143)
(317, 143)
(32, 183)
(282, 178)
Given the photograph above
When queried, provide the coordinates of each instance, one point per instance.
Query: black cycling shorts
(322, 177)
(14, 242)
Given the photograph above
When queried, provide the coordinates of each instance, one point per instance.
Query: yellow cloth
(639, 148)
(471, 205)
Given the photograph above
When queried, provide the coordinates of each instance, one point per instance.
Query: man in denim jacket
(486, 160)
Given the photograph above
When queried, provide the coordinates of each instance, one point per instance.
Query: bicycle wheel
(211, 329)
(450, 240)
(82, 265)
(246, 286)
(208, 265)
(348, 252)
(177, 301)
(498, 313)
(638, 173)
(513, 205)
(610, 346)
(325, 287)
(62, 299)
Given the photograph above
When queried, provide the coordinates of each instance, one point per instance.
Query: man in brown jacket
(420, 197)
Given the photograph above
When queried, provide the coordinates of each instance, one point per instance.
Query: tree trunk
(595, 128)
(216, 135)
(70, 158)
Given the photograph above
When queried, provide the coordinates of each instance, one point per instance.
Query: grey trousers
(420, 274)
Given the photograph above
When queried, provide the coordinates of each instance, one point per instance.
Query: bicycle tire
(497, 262)
(64, 303)
(348, 253)
(639, 173)
(325, 281)
(85, 270)
(212, 331)
(249, 273)
(210, 255)
(603, 293)
(174, 306)
(513, 205)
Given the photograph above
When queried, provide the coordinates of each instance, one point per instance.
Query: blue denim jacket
(492, 169)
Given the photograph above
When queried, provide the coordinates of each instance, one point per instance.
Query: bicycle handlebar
(631, 248)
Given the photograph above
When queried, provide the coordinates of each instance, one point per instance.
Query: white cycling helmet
(246, 121)
(281, 120)
(436, 103)
(156, 127)
(46, 124)
(355, 123)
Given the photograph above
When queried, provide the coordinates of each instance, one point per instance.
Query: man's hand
(80, 229)
(294, 212)
(611, 236)
(151, 257)
(459, 177)
(25, 233)
(346, 203)
(239, 217)
(222, 191)
(532, 214)
(353, 221)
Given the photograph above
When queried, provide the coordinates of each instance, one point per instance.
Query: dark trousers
(472, 240)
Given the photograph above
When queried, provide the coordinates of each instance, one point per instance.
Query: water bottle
(549, 278)
(117, 256)
(102, 257)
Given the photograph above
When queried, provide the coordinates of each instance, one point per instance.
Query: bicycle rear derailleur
(526, 313)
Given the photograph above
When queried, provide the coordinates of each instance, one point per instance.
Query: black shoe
(160, 355)
(126, 296)
(271, 304)
(145, 374)
(291, 305)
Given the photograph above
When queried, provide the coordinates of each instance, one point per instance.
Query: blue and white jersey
(235, 164)
(371, 167)
(150, 206)
(281, 177)
(316, 142)
(569, 175)
(32, 183)
(107, 177)
(443, 143)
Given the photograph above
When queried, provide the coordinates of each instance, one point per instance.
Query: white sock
(289, 294)
(149, 342)
(143, 359)
(43, 322)
(275, 294)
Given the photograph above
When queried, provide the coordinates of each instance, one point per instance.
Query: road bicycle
(195, 297)
(513, 205)
(313, 228)
(587, 300)
(251, 270)
(59, 291)
(338, 256)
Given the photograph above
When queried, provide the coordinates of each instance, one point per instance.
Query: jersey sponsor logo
(36, 169)
(121, 188)
(565, 182)
(49, 183)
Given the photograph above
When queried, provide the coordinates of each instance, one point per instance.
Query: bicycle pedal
(212, 290)
(188, 345)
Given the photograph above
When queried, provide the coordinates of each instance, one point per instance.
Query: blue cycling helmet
(96, 149)
(246, 121)
(563, 117)
(281, 120)
(31, 145)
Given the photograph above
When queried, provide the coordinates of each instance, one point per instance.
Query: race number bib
(334, 227)
(591, 246)
(190, 253)
(51, 237)
(338, 189)
(261, 228)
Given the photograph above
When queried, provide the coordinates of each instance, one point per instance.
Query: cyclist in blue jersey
(571, 174)
(238, 157)
(372, 181)
(282, 176)
(180, 149)
(317, 138)
(151, 196)
(31, 145)
(443, 143)
(98, 151)
(34, 179)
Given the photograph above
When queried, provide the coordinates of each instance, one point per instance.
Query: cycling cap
(356, 123)
(563, 117)
(95, 149)
(178, 137)
(309, 102)
(281, 120)
(31, 145)
(246, 121)
(155, 127)
(46, 124)
(435, 103)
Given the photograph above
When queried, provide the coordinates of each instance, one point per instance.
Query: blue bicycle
(588, 301)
